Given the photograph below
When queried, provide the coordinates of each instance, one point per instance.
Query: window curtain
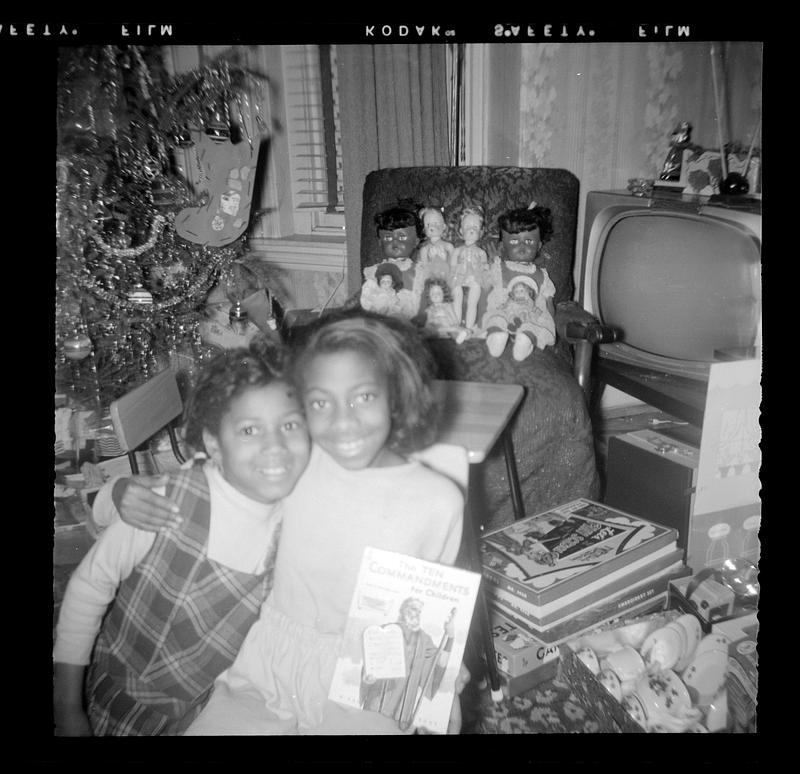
(394, 113)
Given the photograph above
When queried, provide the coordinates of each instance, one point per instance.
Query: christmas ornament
(734, 185)
(77, 347)
(230, 170)
(238, 318)
(140, 296)
(218, 124)
(183, 137)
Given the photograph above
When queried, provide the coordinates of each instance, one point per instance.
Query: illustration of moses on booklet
(404, 639)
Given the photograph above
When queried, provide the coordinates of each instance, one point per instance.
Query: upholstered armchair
(551, 432)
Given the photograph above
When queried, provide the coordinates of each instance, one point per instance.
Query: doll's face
(436, 294)
(399, 243)
(433, 225)
(386, 282)
(471, 228)
(521, 292)
(522, 247)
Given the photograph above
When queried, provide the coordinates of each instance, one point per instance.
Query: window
(314, 137)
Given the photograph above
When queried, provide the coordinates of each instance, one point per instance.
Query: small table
(474, 416)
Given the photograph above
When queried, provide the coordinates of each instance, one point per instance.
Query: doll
(434, 253)
(399, 231)
(437, 314)
(523, 233)
(385, 293)
(520, 318)
(469, 265)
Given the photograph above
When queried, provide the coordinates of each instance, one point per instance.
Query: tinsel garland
(131, 252)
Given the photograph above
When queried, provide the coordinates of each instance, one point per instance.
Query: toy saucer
(694, 634)
(706, 675)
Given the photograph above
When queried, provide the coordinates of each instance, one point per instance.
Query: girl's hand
(145, 509)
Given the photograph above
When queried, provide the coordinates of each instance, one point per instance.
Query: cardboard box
(654, 475)
(517, 651)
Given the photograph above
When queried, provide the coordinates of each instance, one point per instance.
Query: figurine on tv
(469, 265)
(681, 139)
(523, 234)
(437, 315)
(433, 258)
(385, 293)
(521, 319)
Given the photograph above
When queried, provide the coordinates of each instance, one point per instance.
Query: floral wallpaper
(605, 111)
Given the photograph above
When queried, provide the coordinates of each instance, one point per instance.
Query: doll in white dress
(437, 314)
(433, 256)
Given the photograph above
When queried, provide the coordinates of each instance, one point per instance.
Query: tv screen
(680, 283)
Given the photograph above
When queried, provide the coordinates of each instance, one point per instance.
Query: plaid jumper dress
(177, 622)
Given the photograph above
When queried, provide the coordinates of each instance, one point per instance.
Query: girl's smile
(263, 445)
(347, 408)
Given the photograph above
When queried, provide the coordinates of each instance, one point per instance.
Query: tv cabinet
(681, 397)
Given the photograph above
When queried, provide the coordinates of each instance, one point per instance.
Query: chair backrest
(495, 190)
(142, 412)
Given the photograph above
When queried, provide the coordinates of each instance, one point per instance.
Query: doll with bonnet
(519, 317)
(523, 234)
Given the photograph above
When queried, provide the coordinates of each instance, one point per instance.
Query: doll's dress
(394, 303)
(469, 264)
(433, 261)
(441, 317)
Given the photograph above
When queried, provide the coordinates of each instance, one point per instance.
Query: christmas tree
(138, 249)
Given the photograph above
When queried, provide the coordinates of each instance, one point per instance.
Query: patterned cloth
(549, 708)
(177, 622)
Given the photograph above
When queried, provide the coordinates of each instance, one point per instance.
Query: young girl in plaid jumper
(366, 386)
(162, 614)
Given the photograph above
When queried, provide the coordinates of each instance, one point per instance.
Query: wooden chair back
(139, 414)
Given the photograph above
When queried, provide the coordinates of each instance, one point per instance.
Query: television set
(678, 276)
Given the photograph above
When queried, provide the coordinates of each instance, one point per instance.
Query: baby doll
(399, 231)
(520, 318)
(437, 315)
(523, 233)
(434, 253)
(470, 266)
(385, 293)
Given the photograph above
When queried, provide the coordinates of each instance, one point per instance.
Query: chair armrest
(583, 330)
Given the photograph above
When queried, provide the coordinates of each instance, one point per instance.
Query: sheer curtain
(394, 113)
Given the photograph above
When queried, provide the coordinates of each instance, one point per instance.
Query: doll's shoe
(496, 343)
(523, 347)
(462, 336)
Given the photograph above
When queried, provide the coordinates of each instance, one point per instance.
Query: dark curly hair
(389, 269)
(397, 348)
(402, 215)
(226, 376)
(522, 219)
(447, 293)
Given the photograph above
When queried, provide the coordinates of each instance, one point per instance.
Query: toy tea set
(666, 675)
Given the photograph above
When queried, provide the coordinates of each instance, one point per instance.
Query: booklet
(404, 639)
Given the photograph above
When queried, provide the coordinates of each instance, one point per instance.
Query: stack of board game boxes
(559, 574)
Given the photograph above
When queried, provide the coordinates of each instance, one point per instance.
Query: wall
(605, 111)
